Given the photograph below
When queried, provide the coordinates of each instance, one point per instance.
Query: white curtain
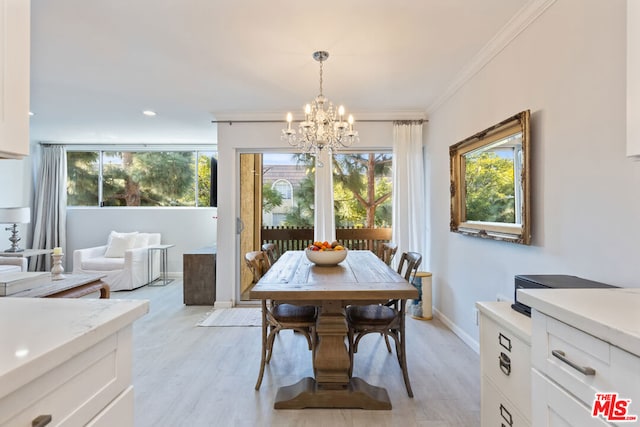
(50, 204)
(409, 218)
(324, 222)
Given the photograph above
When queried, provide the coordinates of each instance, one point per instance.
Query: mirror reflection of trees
(489, 187)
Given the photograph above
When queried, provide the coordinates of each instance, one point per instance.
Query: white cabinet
(14, 78)
(67, 359)
(505, 365)
(570, 367)
(633, 79)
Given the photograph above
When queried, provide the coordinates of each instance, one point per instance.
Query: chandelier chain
(321, 77)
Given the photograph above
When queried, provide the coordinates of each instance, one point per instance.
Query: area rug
(233, 317)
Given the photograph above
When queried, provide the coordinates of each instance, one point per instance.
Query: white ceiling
(95, 65)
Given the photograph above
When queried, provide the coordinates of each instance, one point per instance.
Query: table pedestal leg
(332, 387)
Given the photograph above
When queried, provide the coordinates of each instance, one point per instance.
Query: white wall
(15, 191)
(186, 228)
(568, 68)
(256, 137)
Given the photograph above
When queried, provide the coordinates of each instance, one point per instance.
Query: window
(362, 185)
(141, 178)
(284, 188)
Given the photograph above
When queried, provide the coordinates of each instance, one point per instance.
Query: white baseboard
(466, 338)
(222, 304)
(174, 274)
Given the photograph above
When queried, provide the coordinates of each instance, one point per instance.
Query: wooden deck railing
(295, 238)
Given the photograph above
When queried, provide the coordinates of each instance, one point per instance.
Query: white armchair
(8, 264)
(124, 260)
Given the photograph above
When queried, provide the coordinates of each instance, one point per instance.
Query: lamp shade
(15, 215)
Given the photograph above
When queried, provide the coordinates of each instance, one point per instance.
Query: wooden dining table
(362, 278)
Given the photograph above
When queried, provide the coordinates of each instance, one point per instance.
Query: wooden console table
(72, 286)
(199, 281)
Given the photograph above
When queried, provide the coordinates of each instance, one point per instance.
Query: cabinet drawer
(78, 389)
(557, 408)
(497, 410)
(506, 360)
(598, 366)
(119, 412)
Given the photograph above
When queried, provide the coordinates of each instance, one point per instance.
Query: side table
(199, 281)
(26, 253)
(163, 265)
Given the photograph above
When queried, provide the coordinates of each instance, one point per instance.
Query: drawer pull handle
(584, 370)
(505, 363)
(506, 415)
(41, 421)
(504, 342)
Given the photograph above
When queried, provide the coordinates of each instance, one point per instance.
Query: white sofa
(124, 260)
(8, 264)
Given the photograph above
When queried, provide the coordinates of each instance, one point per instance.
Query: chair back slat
(412, 261)
(386, 252)
(271, 250)
(258, 263)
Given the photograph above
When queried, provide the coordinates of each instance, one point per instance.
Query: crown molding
(281, 115)
(525, 17)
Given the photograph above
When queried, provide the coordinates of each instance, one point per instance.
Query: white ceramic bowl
(326, 258)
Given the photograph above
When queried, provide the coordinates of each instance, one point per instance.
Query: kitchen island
(67, 360)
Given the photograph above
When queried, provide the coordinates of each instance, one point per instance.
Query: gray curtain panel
(50, 205)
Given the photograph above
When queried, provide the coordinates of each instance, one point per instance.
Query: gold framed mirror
(490, 185)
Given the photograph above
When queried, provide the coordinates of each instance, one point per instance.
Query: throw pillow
(115, 233)
(119, 245)
(141, 240)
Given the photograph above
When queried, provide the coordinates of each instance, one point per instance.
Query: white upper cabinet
(14, 78)
(633, 79)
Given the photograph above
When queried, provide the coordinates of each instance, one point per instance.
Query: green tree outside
(362, 191)
(82, 178)
(271, 198)
(147, 178)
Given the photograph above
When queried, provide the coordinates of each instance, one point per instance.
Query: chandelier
(323, 126)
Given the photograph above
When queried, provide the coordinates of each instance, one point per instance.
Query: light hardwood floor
(186, 375)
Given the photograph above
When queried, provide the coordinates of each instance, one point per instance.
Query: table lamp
(14, 216)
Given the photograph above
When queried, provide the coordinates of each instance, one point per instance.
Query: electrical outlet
(476, 316)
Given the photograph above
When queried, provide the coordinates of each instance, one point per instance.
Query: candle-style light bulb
(289, 120)
(350, 122)
(307, 111)
(341, 112)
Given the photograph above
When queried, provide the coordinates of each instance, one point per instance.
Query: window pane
(207, 179)
(82, 178)
(362, 189)
(148, 178)
(288, 190)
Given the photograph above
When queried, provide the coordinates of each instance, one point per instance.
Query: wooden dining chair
(272, 252)
(387, 319)
(276, 317)
(386, 252)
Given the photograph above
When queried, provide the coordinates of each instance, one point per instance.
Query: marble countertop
(38, 334)
(501, 312)
(612, 314)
